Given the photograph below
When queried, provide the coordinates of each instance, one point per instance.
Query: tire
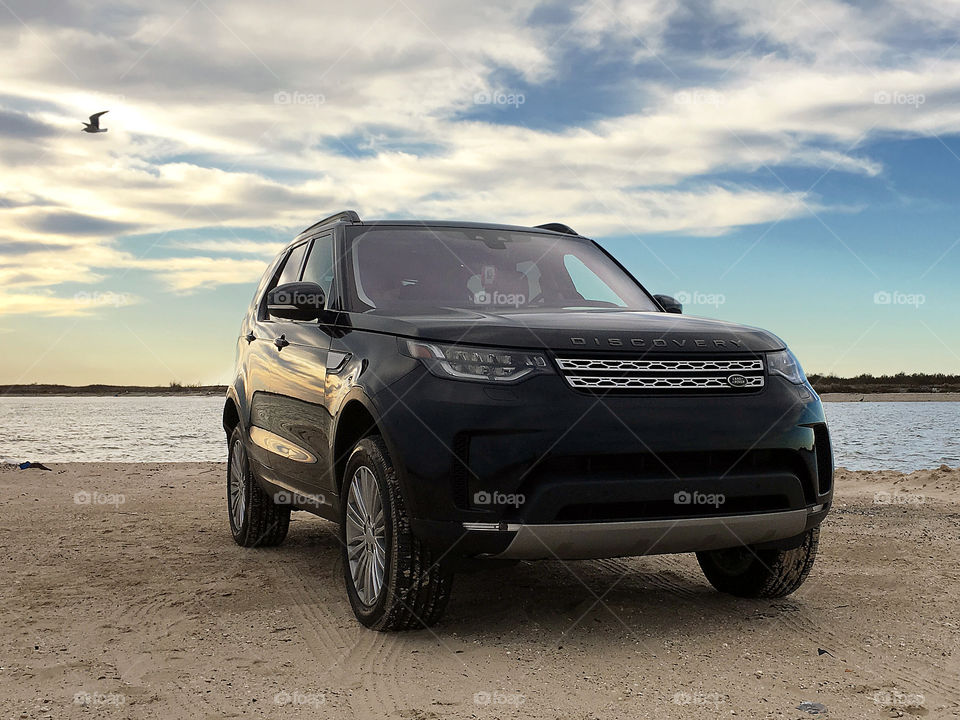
(258, 521)
(413, 587)
(746, 572)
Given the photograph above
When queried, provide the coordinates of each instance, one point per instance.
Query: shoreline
(117, 394)
(118, 391)
(890, 397)
(214, 391)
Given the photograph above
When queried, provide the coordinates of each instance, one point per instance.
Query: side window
(319, 268)
(590, 287)
(291, 268)
(289, 273)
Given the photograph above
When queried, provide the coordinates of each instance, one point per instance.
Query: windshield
(399, 268)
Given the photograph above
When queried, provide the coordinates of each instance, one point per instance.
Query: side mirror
(296, 301)
(670, 304)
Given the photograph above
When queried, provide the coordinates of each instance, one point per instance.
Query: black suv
(447, 391)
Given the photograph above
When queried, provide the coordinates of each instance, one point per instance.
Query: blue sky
(791, 165)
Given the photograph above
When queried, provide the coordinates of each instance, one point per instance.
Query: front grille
(686, 375)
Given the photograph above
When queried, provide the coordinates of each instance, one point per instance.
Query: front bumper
(584, 541)
(600, 477)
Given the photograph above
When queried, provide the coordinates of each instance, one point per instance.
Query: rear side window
(319, 268)
(289, 273)
(291, 268)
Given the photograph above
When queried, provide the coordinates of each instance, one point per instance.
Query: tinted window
(291, 268)
(398, 267)
(289, 273)
(319, 268)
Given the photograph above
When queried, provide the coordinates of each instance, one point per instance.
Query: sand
(135, 603)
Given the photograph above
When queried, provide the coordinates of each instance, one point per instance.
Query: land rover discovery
(449, 392)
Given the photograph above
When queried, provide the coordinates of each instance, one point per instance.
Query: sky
(791, 165)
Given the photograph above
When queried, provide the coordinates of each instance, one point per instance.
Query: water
(112, 429)
(867, 435)
(901, 436)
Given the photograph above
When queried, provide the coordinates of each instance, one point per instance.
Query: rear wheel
(394, 581)
(747, 572)
(255, 520)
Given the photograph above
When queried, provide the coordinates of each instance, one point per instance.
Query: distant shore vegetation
(899, 383)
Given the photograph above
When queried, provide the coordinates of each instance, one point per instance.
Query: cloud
(223, 119)
(22, 126)
(16, 199)
(62, 222)
(234, 247)
(42, 303)
(186, 275)
(22, 247)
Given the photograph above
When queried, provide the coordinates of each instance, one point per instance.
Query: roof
(350, 217)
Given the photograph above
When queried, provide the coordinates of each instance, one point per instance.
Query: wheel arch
(357, 418)
(233, 411)
(231, 416)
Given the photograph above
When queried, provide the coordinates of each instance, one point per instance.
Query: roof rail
(349, 216)
(558, 227)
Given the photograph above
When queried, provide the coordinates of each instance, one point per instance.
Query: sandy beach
(125, 597)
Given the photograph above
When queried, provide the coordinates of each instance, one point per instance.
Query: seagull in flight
(94, 125)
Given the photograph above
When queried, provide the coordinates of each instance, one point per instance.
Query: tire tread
(420, 586)
(266, 523)
(772, 574)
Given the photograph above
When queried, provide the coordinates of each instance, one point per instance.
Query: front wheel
(394, 581)
(746, 572)
(255, 519)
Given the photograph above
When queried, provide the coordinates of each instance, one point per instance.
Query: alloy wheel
(366, 535)
(237, 486)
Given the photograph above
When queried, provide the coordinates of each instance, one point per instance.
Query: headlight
(785, 364)
(462, 362)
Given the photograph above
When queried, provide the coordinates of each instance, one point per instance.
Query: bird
(94, 125)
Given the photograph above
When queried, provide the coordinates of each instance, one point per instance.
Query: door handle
(250, 337)
(281, 342)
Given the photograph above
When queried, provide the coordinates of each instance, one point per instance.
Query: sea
(902, 436)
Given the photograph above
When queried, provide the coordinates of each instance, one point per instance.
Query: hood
(609, 330)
